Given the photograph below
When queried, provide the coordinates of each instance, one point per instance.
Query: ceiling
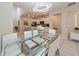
(28, 6)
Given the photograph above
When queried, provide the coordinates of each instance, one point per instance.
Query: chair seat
(12, 50)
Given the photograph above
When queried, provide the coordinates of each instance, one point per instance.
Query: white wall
(67, 22)
(77, 19)
(67, 19)
(15, 21)
(6, 25)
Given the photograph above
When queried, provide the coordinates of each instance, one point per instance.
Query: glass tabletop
(37, 46)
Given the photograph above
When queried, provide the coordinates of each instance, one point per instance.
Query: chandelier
(41, 7)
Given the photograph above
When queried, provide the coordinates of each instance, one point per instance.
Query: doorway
(57, 22)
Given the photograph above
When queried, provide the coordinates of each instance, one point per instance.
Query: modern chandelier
(41, 7)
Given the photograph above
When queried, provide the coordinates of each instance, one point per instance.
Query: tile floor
(69, 48)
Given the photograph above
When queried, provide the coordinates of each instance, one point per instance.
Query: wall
(15, 21)
(67, 19)
(66, 24)
(77, 19)
(6, 25)
(56, 21)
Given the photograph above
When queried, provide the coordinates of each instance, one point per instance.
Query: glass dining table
(36, 46)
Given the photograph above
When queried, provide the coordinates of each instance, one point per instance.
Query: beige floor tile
(69, 48)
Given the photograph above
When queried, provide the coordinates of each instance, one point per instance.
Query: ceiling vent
(71, 4)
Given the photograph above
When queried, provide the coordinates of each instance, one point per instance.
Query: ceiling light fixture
(42, 7)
